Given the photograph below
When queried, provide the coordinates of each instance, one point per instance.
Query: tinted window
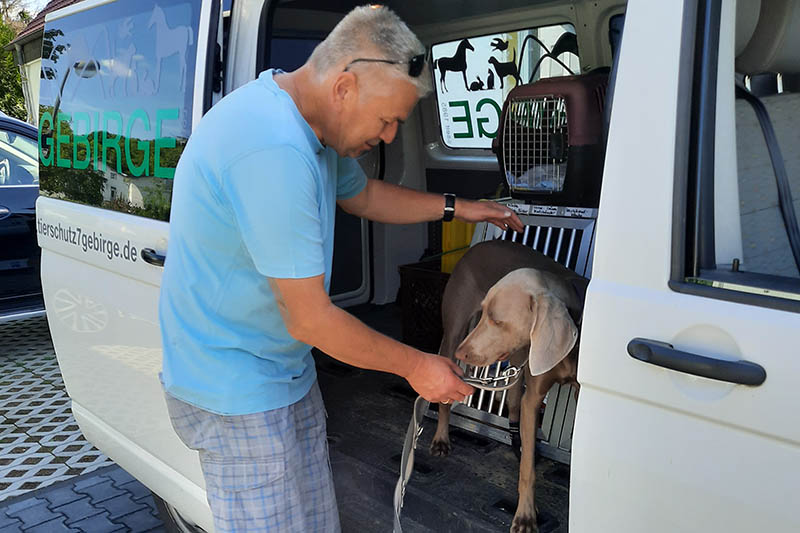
(289, 54)
(473, 77)
(116, 103)
(17, 160)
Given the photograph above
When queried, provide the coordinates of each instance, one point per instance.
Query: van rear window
(116, 103)
(474, 75)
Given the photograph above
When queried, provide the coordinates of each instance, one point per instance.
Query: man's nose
(389, 132)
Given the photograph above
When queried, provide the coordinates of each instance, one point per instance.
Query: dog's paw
(440, 447)
(524, 524)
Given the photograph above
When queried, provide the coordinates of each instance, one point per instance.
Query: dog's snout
(463, 353)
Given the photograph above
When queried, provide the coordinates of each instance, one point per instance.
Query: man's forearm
(395, 204)
(344, 337)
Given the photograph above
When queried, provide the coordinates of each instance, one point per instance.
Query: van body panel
(655, 449)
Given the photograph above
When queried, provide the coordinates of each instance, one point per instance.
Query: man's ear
(553, 333)
(344, 90)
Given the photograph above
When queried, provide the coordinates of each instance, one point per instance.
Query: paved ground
(51, 478)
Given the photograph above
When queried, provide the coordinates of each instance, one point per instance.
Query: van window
(17, 160)
(474, 75)
(116, 103)
(737, 239)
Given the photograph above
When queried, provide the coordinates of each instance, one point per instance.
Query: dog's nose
(462, 354)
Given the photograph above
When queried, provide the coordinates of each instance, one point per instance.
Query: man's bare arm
(310, 317)
(394, 204)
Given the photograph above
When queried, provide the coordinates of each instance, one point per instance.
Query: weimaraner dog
(523, 305)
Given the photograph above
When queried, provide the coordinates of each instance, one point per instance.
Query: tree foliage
(11, 100)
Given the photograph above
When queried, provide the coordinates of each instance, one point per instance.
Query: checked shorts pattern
(264, 472)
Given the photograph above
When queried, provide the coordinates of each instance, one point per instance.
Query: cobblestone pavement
(105, 500)
(51, 478)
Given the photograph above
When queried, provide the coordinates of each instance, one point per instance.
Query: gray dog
(506, 301)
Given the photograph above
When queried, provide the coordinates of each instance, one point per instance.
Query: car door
(687, 417)
(130, 80)
(20, 290)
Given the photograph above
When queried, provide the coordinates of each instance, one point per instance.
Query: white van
(687, 418)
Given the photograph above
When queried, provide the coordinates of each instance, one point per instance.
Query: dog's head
(521, 310)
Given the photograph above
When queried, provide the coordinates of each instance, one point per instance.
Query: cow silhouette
(456, 63)
(170, 41)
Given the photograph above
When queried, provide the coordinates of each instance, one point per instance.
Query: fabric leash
(510, 374)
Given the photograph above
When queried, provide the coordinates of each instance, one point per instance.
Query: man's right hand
(436, 379)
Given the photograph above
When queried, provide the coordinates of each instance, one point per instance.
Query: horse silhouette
(170, 41)
(456, 63)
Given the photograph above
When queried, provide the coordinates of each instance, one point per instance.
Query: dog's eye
(496, 322)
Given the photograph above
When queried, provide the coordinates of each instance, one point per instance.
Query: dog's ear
(553, 333)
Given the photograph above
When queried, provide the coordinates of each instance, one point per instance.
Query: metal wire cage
(535, 151)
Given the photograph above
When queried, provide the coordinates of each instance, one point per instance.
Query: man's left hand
(497, 214)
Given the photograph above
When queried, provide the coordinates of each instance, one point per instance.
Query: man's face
(381, 106)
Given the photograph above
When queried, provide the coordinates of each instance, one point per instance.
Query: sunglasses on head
(415, 64)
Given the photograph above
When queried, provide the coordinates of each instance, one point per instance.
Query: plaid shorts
(264, 472)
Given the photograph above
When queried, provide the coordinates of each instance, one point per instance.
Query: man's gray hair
(374, 32)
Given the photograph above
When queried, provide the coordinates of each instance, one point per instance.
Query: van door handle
(153, 257)
(663, 354)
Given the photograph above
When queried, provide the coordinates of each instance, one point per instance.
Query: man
(245, 287)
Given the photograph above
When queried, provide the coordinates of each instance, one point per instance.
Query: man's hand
(499, 215)
(435, 378)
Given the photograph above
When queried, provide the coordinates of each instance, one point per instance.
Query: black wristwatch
(449, 207)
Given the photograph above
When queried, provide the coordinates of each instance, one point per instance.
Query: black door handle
(153, 257)
(663, 354)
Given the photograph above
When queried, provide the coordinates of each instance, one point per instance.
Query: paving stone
(97, 524)
(120, 506)
(13, 528)
(77, 510)
(34, 515)
(6, 521)
(22, 505)
(119, 476)
(140, 521)
(138, 490)
(89, 481)
(53, 526)
(61, 496)
(101, 491)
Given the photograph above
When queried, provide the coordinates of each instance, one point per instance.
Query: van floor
(472, 490)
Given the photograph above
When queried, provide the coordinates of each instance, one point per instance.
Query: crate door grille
(535, 142)
(568, 241)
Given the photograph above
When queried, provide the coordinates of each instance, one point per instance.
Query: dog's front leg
(440, 446)
(525, 517)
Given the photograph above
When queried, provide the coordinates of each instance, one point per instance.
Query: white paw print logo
(83, 315)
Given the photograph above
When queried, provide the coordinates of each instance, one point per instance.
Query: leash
(512, 374)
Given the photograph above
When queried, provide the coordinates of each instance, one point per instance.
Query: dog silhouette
(506, 69)
(490, 80)
(456, 63)
(476, 85)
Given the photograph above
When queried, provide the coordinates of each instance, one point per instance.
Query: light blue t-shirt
(254, 197)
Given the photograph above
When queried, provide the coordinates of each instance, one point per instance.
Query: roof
(36, 26)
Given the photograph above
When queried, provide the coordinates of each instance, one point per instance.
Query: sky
(37, 5)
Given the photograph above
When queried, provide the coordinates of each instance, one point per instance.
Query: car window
(18, 164)
(474, 75)
(116, 103)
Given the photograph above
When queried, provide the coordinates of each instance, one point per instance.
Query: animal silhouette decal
(170, 41)
(456, 63)
(498, 68)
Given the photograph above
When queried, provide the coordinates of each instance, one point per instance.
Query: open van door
(127, 81)
(687, 417)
